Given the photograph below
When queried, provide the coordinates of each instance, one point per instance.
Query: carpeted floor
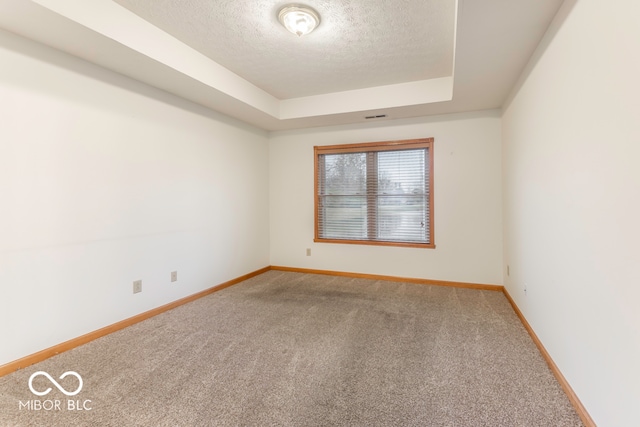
(290, 349)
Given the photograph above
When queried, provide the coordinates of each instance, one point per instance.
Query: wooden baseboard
(78, 341)
(75, 342)
(393, 278)
(573, 398)
(83, 339)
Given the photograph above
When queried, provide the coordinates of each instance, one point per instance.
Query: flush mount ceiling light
(300, 20)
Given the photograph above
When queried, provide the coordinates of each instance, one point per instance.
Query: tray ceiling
(359, 44)
(405, 58)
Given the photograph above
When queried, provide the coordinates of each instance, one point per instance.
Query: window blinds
(379, 194)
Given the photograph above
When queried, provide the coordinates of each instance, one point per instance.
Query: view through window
(375, 193)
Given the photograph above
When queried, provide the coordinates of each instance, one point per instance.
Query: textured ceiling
(359, 43)
(390, 61)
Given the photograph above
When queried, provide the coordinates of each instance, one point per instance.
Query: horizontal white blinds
(376, 195)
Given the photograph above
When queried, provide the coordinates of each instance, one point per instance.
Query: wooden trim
(430, 187)
(573, 398)
(316, 196)
(466, 285)
(374, 146)
(83, 339)
(571, 395)
(78, 341)
(377, 243)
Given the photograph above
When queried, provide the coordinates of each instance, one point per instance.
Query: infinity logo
(42, 393)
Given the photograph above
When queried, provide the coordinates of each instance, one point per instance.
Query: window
(375, 193)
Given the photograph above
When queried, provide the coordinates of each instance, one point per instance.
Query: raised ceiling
(404, 58)
(349, 50)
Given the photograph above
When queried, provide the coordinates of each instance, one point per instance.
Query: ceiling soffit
(359, 43)
(494, 40)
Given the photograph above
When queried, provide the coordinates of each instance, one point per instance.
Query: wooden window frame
(370, 147)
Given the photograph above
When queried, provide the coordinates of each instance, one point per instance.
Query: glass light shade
(300, 20)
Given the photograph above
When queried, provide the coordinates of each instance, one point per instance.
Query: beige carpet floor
(290, 349)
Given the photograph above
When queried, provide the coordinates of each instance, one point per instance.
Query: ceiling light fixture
(300, 20)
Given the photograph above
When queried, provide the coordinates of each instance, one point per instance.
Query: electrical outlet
(137, 286)
(174, 276)
(508, 271)
(308, 251)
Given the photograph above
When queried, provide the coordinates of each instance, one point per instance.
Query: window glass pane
(401, 200)
(401, 172)
(402, 220)
(345, 174)
(344, 217)
(380, 195)
(343, 202)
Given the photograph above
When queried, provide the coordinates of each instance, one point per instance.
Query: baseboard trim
(466, 285)
(83, 339)
(573, 398)
(571, 395)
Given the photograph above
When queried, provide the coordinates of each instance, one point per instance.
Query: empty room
(319, 213)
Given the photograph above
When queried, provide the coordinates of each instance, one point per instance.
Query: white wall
(468, 226)
(571, 140)
(103, 181)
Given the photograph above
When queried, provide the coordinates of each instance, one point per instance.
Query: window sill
(375, 243)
